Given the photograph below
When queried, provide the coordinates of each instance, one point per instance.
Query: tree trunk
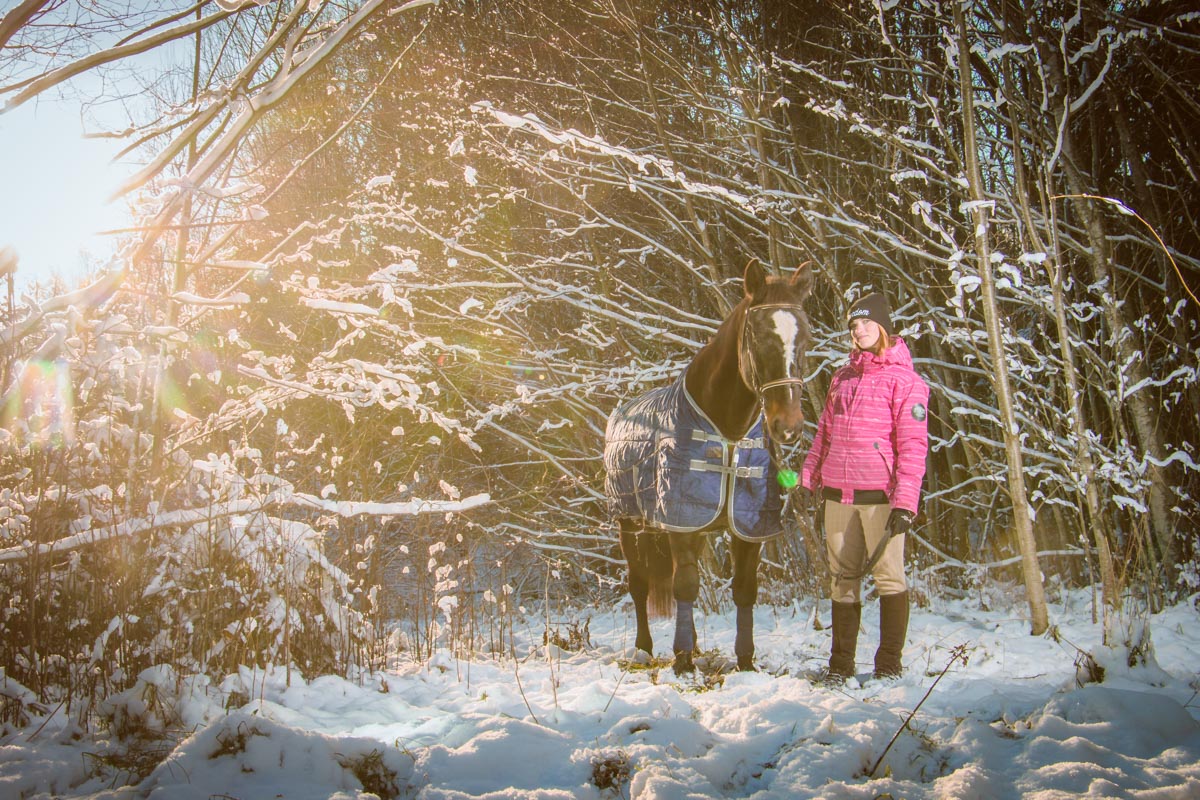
(1145, 420)
(1093, 521)
(1022, 518)
(1162, 547)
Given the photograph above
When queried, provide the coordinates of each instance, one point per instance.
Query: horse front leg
(685, 553)
(746, 556)
(633, 544)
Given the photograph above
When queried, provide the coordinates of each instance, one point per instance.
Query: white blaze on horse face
(787, 330)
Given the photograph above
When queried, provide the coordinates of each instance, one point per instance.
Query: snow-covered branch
(181, 518)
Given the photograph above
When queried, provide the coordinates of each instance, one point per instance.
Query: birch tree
(978, 209)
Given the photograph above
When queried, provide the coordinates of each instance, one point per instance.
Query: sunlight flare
(41, 410)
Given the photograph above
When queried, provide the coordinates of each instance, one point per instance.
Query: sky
(56, 186)
(1007, 719)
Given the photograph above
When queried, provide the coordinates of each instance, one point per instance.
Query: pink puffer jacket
(873, 432)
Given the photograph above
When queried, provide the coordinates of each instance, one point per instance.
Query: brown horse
(696, 457)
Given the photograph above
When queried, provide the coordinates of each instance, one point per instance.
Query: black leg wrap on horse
(743, 643)
(685, 628)
(685, 638)
(746, 556)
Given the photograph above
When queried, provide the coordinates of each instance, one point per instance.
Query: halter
(780, 456)
(746, 364)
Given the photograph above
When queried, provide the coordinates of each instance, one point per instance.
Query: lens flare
(170, 396)
(41, 408)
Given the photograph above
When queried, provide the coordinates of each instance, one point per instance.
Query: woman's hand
(900, 521)
(816, 504)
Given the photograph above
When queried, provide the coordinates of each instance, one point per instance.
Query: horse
(703, 455)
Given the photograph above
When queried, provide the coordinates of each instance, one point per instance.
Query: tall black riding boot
(893, 629)
(846, 618)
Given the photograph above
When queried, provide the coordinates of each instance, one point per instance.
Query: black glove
(899, 521)
(818, 513)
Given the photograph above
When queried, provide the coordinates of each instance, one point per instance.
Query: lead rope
(880, 548)
(793, 498)
(789, 481)
(883, 543)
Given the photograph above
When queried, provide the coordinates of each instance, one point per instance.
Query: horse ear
(802, 279)
(755, 276)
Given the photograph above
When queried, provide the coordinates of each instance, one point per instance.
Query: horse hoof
(684, 664)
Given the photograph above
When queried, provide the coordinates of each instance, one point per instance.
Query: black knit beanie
(874, 307)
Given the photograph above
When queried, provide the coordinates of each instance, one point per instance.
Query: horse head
(773, 343)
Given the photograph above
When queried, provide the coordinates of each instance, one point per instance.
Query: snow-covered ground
(1011, 722)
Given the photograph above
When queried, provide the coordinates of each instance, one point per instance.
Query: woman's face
(865, 333)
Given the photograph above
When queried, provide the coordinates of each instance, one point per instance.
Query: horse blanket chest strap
(667, 464)
(700, 465)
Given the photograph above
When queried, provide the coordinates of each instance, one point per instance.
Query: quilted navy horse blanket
(668, 465)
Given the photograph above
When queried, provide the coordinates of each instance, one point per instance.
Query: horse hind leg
(645, 582)
(660, 567)
(685, 552)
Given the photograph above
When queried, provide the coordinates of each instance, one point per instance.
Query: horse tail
(661, 571)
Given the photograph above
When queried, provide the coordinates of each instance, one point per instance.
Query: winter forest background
(343, 391)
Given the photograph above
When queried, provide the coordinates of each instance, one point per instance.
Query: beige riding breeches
(852, 533)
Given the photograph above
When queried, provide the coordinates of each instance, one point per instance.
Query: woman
(865, 469)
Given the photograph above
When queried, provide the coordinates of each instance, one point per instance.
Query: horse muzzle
(783, 409)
